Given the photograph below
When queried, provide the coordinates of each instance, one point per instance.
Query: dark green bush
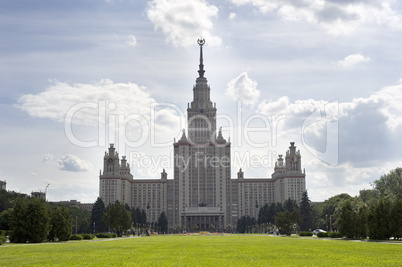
(3, 232)
(335, 235)
(322, 234)
(104, 235)
(88, 236)
(3, 240)
(306, 234)
(76, 237)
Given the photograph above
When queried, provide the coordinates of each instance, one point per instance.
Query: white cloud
(353, 60)
(345, 178)
(243, 89)
(232, 15)
(125, 108)
(60, 98)
(74, 164)
(368, 127)
(336, 17)
(131, 41)
(184, 21)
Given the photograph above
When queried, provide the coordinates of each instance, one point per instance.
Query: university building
(3, 185)
(202, 191)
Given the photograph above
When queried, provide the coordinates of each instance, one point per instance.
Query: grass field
(230, 250)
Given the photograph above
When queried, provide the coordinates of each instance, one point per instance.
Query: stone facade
(3, 185)
(40, 195)
(202, 192)
(76, 204)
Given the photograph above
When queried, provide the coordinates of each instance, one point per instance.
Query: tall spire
(201, 71)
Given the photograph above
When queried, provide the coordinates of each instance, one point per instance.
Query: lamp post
(46, 190)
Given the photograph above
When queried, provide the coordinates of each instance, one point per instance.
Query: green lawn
(231, 250)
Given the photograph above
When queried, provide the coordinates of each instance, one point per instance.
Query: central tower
(202, 165)
(201, 114)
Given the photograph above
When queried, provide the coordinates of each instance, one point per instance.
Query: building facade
(202, 192)
(3, 185)
(40, 195)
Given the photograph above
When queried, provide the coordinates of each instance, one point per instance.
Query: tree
(306, 212)
(5, 219)
(330, 208)
(286, 220)
(368, 196)
(263, 214)
(196, 227)
(379, 220)
(396, 223)
(8, 197)
(97, 223)
(61, 222)
(245, 223)
(134, 216)
(346, 220)
(163, 223)
(82, 218)
(290, 205)
(390, 184)
(18, 223)
(267, 212)
(139, 217)
(118, 218)
(361, 222)
(143, 218)
(30, 221)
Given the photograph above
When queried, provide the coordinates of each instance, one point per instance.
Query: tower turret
(201, 113)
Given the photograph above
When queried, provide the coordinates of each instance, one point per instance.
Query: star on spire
(201, 71)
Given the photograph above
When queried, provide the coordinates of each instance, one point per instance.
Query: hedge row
(335, 235)
(76, 237)
(322, 234)
(88, 236)
(330, 234)
(106, 235)
(306, 234)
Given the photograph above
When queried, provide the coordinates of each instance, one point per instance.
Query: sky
(78, 75)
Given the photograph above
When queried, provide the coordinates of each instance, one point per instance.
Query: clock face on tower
(110, 160)
(293, 159)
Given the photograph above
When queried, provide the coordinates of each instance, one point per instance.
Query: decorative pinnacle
(201, 70)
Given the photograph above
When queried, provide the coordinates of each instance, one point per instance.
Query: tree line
(33, 220)
(120, 217)
(284, 217)
(375, 213)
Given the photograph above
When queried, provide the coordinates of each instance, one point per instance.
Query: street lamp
(46, 190)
